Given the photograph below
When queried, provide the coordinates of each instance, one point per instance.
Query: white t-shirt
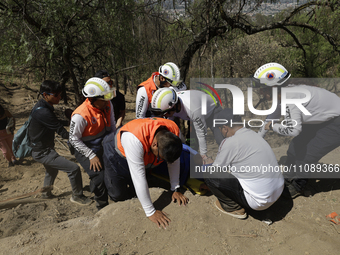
(134, 153)
(192, 110)
(247, 150)
(323, 106)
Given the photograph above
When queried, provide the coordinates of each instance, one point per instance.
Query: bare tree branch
(299, 45)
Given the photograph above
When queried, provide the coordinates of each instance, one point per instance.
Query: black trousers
(97, 185)
(314, 142)
(117, 174)
(229, 192)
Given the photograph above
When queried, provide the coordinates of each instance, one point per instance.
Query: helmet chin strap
(162, 83)
(92, 100)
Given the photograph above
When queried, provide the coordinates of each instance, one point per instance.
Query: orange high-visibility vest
(149, 86)
(98, 122)
(144, 130)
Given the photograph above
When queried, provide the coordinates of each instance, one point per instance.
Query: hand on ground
(178, 196)
(160, 219)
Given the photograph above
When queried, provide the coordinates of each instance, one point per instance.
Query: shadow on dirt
(163, 200)
(277, 211)
(315, 186)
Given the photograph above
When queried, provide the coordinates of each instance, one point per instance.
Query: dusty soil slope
(35, 226)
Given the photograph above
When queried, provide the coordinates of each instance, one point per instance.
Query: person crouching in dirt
(242, 187)
(41, 132)
(7, 127)
(139, 145)
(187, 105)
(315, 135)
(167, 75)
(90, 123)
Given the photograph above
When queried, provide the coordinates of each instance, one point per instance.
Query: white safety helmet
(270, 74)
(96, 87)
(163, 100)
(170, 72)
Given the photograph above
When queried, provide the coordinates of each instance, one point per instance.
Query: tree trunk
(65, 77)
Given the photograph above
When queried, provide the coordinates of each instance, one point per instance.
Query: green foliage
(236, 54)
(318, 58)
(76, 38)
(70, 40)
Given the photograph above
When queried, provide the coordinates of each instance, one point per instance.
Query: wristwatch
(177, 189)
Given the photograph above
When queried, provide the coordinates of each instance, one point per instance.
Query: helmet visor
(174, 83)
(159, 113)
(256, 83)
(108, 96)
(284, 79)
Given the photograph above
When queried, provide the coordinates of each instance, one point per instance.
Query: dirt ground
(34, 226)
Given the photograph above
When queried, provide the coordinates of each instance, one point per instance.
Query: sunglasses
(53, 94)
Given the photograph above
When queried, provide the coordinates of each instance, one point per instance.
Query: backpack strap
(29, 122)
(30, 117)
(36, 109)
